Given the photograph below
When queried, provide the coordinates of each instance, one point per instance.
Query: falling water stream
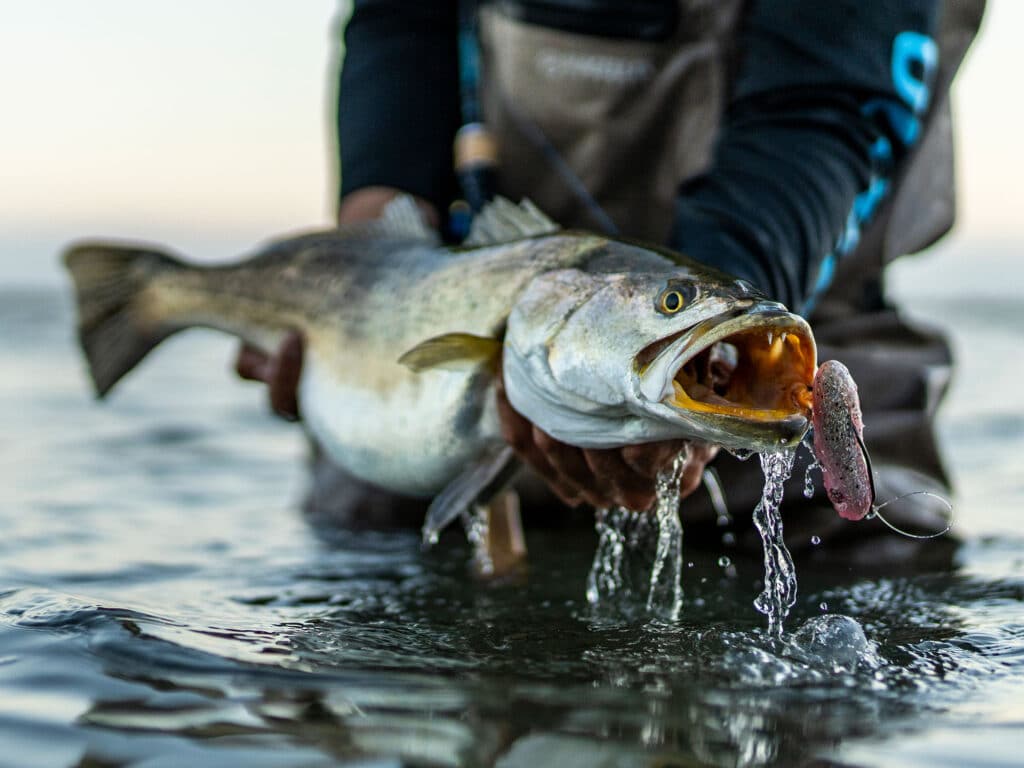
(624, 539)
(666, 593)
(779, 592)
(623, 547)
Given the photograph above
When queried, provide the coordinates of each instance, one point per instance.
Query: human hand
(280, 371)
(602, 478)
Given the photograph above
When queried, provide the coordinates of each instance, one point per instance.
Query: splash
(779, 592)
(477, 526)
(666, 592)
(619, 572)
(619, 532)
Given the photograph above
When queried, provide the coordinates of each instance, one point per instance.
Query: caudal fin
(116, 328)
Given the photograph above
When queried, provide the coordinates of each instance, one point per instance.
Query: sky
(207, 127)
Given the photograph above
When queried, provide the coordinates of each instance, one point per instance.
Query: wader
(594, 128)
(634, 119)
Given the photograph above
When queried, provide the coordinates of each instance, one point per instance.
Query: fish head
(641, 345)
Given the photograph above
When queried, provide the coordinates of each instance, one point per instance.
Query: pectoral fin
(453, 352)
(477, 484)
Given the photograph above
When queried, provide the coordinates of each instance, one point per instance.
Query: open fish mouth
(753, 366)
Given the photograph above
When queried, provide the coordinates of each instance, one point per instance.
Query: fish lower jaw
(712, 403)
(738, 427)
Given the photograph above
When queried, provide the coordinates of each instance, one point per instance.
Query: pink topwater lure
(839, 441)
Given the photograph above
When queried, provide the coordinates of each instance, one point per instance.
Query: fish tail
(117, 327)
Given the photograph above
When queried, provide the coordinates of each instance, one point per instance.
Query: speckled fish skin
(838, 435)
(585, 351)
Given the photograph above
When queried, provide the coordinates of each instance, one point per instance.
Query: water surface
(163, 601)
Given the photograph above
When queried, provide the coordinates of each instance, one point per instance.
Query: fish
(839, 441)
(601, 341)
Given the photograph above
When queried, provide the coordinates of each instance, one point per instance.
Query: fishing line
(875, 508)
(949, 510)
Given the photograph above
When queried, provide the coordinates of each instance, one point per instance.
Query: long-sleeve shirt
(825, 102)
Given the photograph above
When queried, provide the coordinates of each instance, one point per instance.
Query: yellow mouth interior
(763, 375)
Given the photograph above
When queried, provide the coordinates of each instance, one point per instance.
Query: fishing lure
(840, 450)
(839, 441)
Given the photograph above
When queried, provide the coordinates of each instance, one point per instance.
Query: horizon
(224, 140)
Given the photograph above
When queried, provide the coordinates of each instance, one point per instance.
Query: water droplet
(723, 520)
(815, 540)
(689, 564)
(724, 561)
(823, 606)
(808, 480)
(729, 539)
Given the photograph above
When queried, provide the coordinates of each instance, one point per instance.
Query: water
(475, 524)
(779, 591)
(808, 471)
(666, 592)
(640, 554)
(164, 601)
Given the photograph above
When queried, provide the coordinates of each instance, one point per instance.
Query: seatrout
(601, 342)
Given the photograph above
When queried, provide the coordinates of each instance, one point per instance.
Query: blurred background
(207, 126)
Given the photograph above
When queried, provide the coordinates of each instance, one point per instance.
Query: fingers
(599, 478)
(602, 478)
(648, 459)
(280, 372)
(693, 474)
(285, 370)
(573, 476)
(619, 483)
(251, 363)
(518, 432)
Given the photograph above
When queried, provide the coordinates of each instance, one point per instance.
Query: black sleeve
(826, 102)
(398, 105)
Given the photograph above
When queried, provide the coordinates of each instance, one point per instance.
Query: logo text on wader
(556, 65)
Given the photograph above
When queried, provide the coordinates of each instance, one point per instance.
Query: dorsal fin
(502, 220)
(401, 218)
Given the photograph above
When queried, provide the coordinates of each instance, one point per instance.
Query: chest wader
(601, 131)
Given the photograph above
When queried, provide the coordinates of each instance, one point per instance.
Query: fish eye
(673, 299)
